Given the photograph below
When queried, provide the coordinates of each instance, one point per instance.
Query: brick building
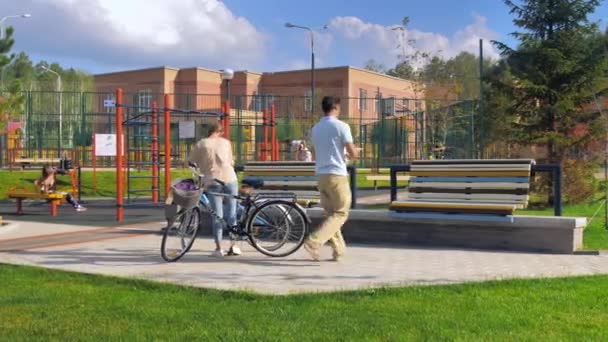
(366, 98)
(194, 88)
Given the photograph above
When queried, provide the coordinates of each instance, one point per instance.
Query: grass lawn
(40, 304)
(106, 182)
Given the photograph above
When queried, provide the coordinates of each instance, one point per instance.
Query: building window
(405, 106)
(107, 100)
(308, 101)
(389, 106)
(418, 105)
(362, 99)
(144, 100)
(269, 100)
(257, 103)
(188, 102)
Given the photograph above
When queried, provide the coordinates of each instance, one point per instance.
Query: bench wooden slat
(522, 180)
(497, 185)
(471, 190)
(34, 195)
(286, 178)
(448, 207)
(280, 173)
(386, 178)
(473, 161)
(312, 184)
(470, 197)
(448, 173)
(481, 167)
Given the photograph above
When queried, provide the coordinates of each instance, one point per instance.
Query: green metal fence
(388, 130)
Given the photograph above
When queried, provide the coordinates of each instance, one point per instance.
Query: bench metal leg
(54, 205)
(19, 206)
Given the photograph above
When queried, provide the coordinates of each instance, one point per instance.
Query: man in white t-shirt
(330, 138)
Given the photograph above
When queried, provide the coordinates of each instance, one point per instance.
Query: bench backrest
(285, 176)
(477, 181)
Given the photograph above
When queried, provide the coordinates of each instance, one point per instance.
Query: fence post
(155, 153)
(273, 133)
(119, 156)
(167, 118)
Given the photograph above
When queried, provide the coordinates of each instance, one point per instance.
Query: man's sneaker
(337, 257)
(314, 252)
(218, 253)
(80, 208)
(234, 250)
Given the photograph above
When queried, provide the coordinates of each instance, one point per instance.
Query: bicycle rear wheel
(277, 228)
(179, 237)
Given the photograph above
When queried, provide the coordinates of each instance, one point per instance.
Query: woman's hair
(215, 127)
(47, 170)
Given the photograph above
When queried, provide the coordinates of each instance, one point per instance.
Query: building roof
(137, 70)
(262, 73)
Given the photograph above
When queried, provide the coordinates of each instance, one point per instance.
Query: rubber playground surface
(93, 242)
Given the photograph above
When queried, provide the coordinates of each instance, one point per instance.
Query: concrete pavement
(92, 242)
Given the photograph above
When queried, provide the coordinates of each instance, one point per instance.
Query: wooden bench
(20, 194)
(23, 162)
(296, 177)
(380, 175)
(490, 187)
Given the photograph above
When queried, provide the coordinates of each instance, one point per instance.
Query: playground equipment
(142, 149)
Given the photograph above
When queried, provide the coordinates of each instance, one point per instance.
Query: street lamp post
(227, 75)
(60, 91)
(25, 15)
(312, 59)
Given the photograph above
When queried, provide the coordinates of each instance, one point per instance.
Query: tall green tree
(552, 74)
(11, 100)
(374, 66)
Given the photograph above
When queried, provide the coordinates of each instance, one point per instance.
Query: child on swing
(46, 185)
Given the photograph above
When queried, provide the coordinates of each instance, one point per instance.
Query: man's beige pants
(335, 200)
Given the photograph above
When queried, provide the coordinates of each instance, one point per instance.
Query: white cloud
(364, 40)
(139, 33)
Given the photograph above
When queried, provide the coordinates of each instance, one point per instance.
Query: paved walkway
(92, 243)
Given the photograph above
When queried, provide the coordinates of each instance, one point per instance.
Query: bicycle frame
(245, 204)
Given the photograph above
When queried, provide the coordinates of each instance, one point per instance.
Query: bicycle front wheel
(179, 237)
(277, 228)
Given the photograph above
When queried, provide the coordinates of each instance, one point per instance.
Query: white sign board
(187, 129)
(105, 145)
(109, 103)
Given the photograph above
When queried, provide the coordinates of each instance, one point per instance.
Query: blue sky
(107, 35)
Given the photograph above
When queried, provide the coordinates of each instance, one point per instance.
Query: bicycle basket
(186, 193)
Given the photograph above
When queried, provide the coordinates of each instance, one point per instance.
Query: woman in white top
(304, 154)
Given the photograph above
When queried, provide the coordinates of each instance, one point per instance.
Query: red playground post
(226, 119)
(265, 143)
(155, 153)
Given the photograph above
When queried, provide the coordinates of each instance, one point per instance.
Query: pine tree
(553, 72)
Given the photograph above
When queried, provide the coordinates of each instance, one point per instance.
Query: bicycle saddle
(255, 183)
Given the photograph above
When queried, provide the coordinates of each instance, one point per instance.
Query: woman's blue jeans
(224, 207)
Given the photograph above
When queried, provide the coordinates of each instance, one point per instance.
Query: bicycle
(269, 221)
